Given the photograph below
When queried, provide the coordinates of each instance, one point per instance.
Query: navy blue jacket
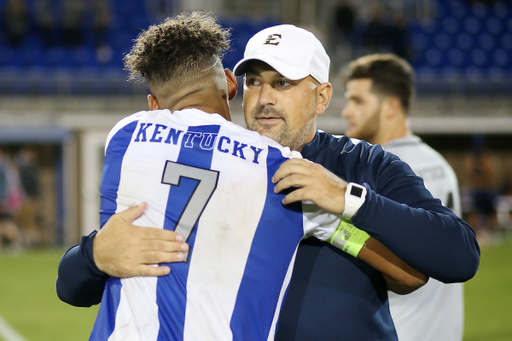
(334, 296)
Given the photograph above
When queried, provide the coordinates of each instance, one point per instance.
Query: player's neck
(206, 101)
(392, 130)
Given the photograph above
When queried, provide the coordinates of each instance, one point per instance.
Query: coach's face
(362, 111)
(282, 109)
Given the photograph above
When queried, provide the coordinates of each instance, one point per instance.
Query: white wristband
(355, 196)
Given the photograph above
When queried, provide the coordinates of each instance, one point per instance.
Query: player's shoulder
(187, 117)
(129, 119)
(414, 149)
(124, 122)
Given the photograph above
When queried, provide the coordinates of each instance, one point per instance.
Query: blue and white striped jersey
(210, 180)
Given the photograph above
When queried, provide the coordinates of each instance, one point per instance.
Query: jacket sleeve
(79, 281)
(402, 214)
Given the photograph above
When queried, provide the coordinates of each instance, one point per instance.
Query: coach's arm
(311, 181)
(120, 249)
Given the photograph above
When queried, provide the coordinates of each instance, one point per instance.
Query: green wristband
(349, 238)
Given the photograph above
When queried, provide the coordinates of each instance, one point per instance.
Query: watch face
(356, 191)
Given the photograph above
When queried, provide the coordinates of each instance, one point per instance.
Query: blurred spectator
(102, 19)
(344, 20)
(345, 15)
(375, 36)
(158, 10)
(504, 206)
(45, 21)
(483, 193)
(11, 199)
(485, 2)
(15, 21)
(74, 12)
(29, 215)
(400, 38)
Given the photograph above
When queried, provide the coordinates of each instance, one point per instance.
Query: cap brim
(282, 66)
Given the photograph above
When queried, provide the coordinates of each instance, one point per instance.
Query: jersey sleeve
(318, 222)
(121, 124)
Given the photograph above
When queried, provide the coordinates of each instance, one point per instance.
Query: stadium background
(59, 100)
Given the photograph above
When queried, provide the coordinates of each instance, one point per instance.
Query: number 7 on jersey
(206, 185)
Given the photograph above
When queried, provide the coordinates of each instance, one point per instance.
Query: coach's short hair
(390, 75)
(177, 48)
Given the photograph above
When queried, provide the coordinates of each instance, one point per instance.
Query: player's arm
(120, 249)
(399, 276)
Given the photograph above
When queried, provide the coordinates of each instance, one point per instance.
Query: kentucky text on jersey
(159, 133)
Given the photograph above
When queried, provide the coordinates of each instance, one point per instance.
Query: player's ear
(323, 96)
(153, 103)
(232, 84)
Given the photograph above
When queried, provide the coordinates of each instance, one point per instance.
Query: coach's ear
(323, 97)
(153, 103)
(232, 84)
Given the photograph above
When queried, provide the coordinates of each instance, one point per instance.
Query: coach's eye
(251, 81)
(284, 83)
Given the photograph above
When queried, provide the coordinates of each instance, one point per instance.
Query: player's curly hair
(390, 75)
(176, 48)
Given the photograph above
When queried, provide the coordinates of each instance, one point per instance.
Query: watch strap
(355, 196)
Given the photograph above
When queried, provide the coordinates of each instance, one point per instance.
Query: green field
(489, 297)
(29, 304)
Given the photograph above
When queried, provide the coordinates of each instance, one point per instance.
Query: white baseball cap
(292, 51)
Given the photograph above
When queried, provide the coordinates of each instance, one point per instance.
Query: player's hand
(312, 182)
(122, 249)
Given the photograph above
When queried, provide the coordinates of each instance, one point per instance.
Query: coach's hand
(122, 249)
(312, 182)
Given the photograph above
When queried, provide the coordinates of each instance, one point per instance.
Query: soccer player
(192, 166)
(332, 293)
(379, 90)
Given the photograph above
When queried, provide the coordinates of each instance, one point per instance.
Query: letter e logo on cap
(272, 39)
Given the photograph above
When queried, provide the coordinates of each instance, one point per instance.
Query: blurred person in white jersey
(379, 89)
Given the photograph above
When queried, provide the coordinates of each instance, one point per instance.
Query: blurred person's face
(284, 110)
(362, 111)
